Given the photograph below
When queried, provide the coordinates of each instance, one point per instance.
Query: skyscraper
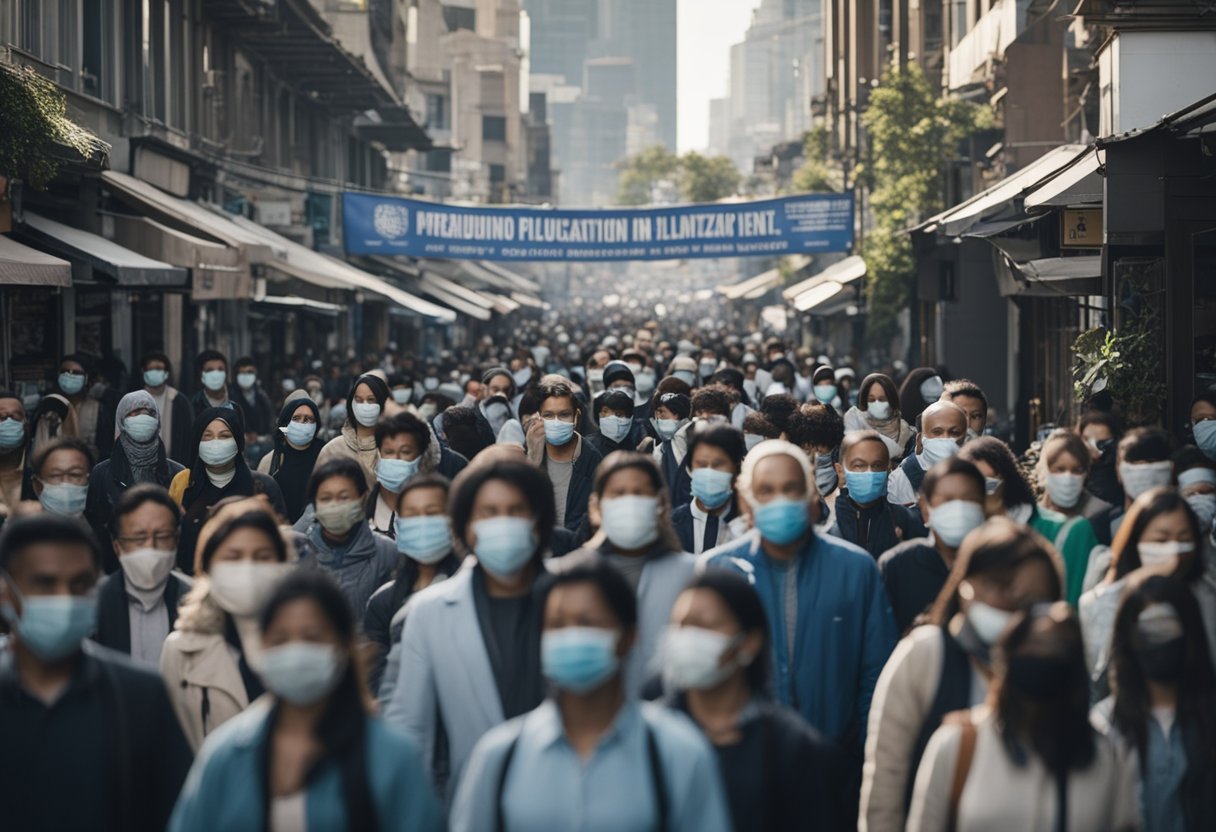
(562, 34)
(645, 30)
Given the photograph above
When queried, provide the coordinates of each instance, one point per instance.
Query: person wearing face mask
(644, 380)
(503, 514)
(943, 429)
(824, 389)
(711, 517)
(296, 449)
(90, 740)
(1065, 465)
(1160, 534)
(968, 395)
(209, 661)
(1101, 433)
(213, 379)
(877, 409)
(137, 606)
(951, 506)
(590, 756)
(494, 409)
(1197, 483)
(427, 556)
(670, 424)
(629, 508)
(408, 447)
(1203, 423)
(1164, 688)
(862, 514)
(613, 410)
(61, 477)
(1029, 757)
(219, 471)
(365, 407)
(15, 475)
(685, 369)
(176, 414)
(1010, 494)
(139, 456)
(94, 421)
(400, 394)
(778, 771)
(945, 665)
(554, 445)
(921, 388)
(818, 429)
(1142, 463)
(340, 540)
(310, 755)
(54, 418)
(253, 403)
(829, 682)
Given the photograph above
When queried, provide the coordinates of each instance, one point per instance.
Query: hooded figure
(289, 464)
(54, 418)
(617, 433)
(201, 486)
(349, 443)
(138, 456)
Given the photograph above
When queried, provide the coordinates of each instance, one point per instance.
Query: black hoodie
(290, 467)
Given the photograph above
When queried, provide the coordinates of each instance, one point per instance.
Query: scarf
(893, 427)
(143, 458)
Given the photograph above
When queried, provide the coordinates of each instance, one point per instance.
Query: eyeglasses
(158, 540)
(65, 478)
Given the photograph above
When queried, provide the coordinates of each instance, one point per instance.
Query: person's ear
(839, 471)
(750, 648)
(37, 483)
(920, 443)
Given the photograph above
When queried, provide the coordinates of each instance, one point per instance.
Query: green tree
(816, 174)
(38, 137)
(640, 173)
(913, 133)
(707, 178)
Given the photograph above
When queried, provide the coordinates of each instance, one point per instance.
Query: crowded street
(484, 415)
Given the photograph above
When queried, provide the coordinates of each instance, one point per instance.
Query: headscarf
(291, 467)
(54, 418)
(142, 457)
(200, 483)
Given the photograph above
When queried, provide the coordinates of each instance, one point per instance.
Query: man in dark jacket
(90, 740)
(176, 412)
(613, 411)
(213, 389)
(555, 446)
(863, 515)
(137, 606)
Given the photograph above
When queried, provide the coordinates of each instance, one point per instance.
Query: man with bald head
(943, 428)
(829, 617)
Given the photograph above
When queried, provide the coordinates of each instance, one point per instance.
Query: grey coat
(367, 562)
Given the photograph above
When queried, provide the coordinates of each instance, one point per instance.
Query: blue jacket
(224, 789)
(844, 629)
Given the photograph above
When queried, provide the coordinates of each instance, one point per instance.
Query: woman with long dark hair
(297, 445)
(1163, 711)
(778, 771)
(310, 755)
(922, 387)
(357, 441)
(1027, 759)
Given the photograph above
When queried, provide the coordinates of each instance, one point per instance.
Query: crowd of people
(608, 577)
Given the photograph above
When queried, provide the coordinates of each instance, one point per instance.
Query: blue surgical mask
(751, 440)
(615, 428)
(141, 427)
(558, 432)
(302, 673)
(666, 428)
(155, 378)
(52, 626)
(579, 659)
(366, 413)
(711, 487)
(425, 539)
(214, 380)
(64, 499)
(782, 521)
(393, 474)
(1205, 437)
(825, 392)
(12, 433)
(936, 450)
(687, 376)
(246, 380)
(866, 486)
(300, 434)
(217, 452)
(505, 545)
(826, 478)
(878, 411)
(70, 383)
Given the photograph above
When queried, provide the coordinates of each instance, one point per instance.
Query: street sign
(1081, 228)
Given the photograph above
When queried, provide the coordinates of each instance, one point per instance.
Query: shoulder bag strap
(658, 780)
(500, 823)
(962, 767)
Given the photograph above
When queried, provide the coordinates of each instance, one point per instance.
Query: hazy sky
(707, 29)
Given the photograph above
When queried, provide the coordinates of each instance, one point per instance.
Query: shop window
(494, 128)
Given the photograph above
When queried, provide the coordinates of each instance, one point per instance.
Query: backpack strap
(962, 766)
(657, 778)
(500, 822)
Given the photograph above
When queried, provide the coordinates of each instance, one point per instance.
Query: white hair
(774, 447)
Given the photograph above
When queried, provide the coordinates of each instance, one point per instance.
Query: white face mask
(147, 568)
(631, 522)
(1155, 554)
(1139, 477)
(239, 587)
(988, 622)
(692, 658)
(1065, 489)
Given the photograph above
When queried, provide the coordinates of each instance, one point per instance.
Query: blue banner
(789, 225)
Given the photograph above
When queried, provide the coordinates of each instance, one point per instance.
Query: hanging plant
(1126, 363)
(37, 128)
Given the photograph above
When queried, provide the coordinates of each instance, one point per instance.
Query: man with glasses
(61, 476)
(555, 445)
(90, 740)
(137, 606)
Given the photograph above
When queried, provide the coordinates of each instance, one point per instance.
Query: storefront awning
(517, 281)
(990, 203)
(217, 271)
(1051, 276)
(303, 304)
(757, 287)
(330, 273)
(1080, 183)
(441, 289)
(192, 216)
(843, 271)
(24, 266)
(92, 255)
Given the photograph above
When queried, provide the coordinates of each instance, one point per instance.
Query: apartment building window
(439, 161)
(494, 128)
(498, 174)
(99, 50)
(437, 112)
